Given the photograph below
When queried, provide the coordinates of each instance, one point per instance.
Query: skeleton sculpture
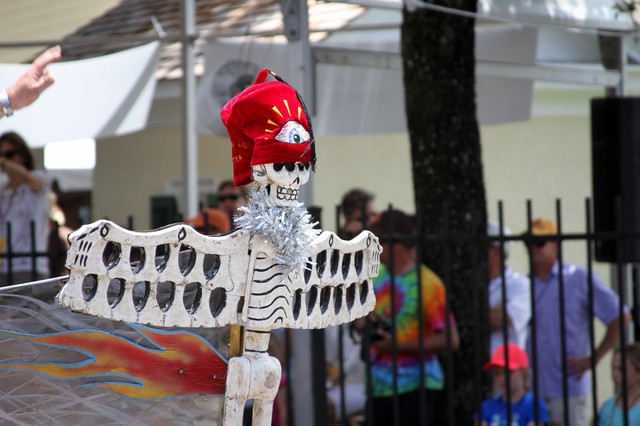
(275, 271)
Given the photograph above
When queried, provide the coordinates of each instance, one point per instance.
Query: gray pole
(189, 137)
(296, 22)
(300, 72)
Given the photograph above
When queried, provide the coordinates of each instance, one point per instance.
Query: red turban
(267, 123)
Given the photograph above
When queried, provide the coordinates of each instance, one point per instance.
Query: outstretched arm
(33, 82)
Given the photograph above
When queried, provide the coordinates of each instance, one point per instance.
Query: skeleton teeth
(287, 194)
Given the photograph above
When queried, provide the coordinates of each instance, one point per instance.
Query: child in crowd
(611, 411)
(494, 410)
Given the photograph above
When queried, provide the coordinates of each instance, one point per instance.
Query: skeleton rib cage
(175, 276)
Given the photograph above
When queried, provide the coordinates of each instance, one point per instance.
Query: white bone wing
(173, 276)
(337, 287)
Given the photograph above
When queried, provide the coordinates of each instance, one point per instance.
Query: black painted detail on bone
(310, 298)
(89, 287)
(115, 291)
(364, 291)
(337, 299)
(267, 279)
(186, 259)
(358, 261)
(210, 265)
(270, 290)
(346, 263)
(162, 256)
(307, 271)
(136, 259)
(191, 297)
(286, 300)
(321, 262)
(296, 303)
(335, 262)
(351, 296)
(274, 265)
(104, 230)
(281, 309)
(325, 297)
(111, 254)
(165, 294)
(218, 301)
(140, 294)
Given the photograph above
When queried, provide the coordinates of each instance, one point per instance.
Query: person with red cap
(494, 410)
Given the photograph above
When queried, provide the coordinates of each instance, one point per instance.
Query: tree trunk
(439, 80)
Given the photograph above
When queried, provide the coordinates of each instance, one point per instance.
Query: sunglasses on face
(8, 154)
(233, 197)
(539, 244)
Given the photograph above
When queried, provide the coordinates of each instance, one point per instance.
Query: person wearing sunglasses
(24, 199)
(543, 248)
(230, 197)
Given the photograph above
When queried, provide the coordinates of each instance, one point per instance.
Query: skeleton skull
(282, 181)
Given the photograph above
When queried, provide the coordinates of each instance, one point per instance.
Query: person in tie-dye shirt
(400, 257)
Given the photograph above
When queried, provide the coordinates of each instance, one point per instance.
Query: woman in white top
(24, 199)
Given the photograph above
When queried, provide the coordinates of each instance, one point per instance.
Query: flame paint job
(174, 363)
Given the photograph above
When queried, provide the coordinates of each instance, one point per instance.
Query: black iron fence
(55, 255)
(597, 245)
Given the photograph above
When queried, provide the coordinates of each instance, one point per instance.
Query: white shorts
(578, 410)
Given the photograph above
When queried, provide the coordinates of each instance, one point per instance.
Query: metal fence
(55, 254)
(627, 285)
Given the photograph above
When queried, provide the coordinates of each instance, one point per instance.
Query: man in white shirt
(518, 296)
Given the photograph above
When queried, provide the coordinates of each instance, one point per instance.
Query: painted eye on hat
(293, 132)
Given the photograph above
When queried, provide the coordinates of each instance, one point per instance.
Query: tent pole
(189, 137)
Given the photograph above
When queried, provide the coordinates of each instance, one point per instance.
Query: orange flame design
(181, 363)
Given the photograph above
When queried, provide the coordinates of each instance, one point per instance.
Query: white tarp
(91, 98)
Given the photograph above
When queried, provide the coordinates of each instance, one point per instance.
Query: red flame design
(182, 363)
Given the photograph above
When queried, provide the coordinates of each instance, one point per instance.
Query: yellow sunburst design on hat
(275, 127)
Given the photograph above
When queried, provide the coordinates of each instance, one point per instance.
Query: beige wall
(377, 163)
(131, 169)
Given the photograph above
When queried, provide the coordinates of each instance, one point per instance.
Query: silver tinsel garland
(289, 229)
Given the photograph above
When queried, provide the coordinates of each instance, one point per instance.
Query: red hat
(517, 358)
(267, 123)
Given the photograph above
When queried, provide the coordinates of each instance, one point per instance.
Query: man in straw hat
(549, 336)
